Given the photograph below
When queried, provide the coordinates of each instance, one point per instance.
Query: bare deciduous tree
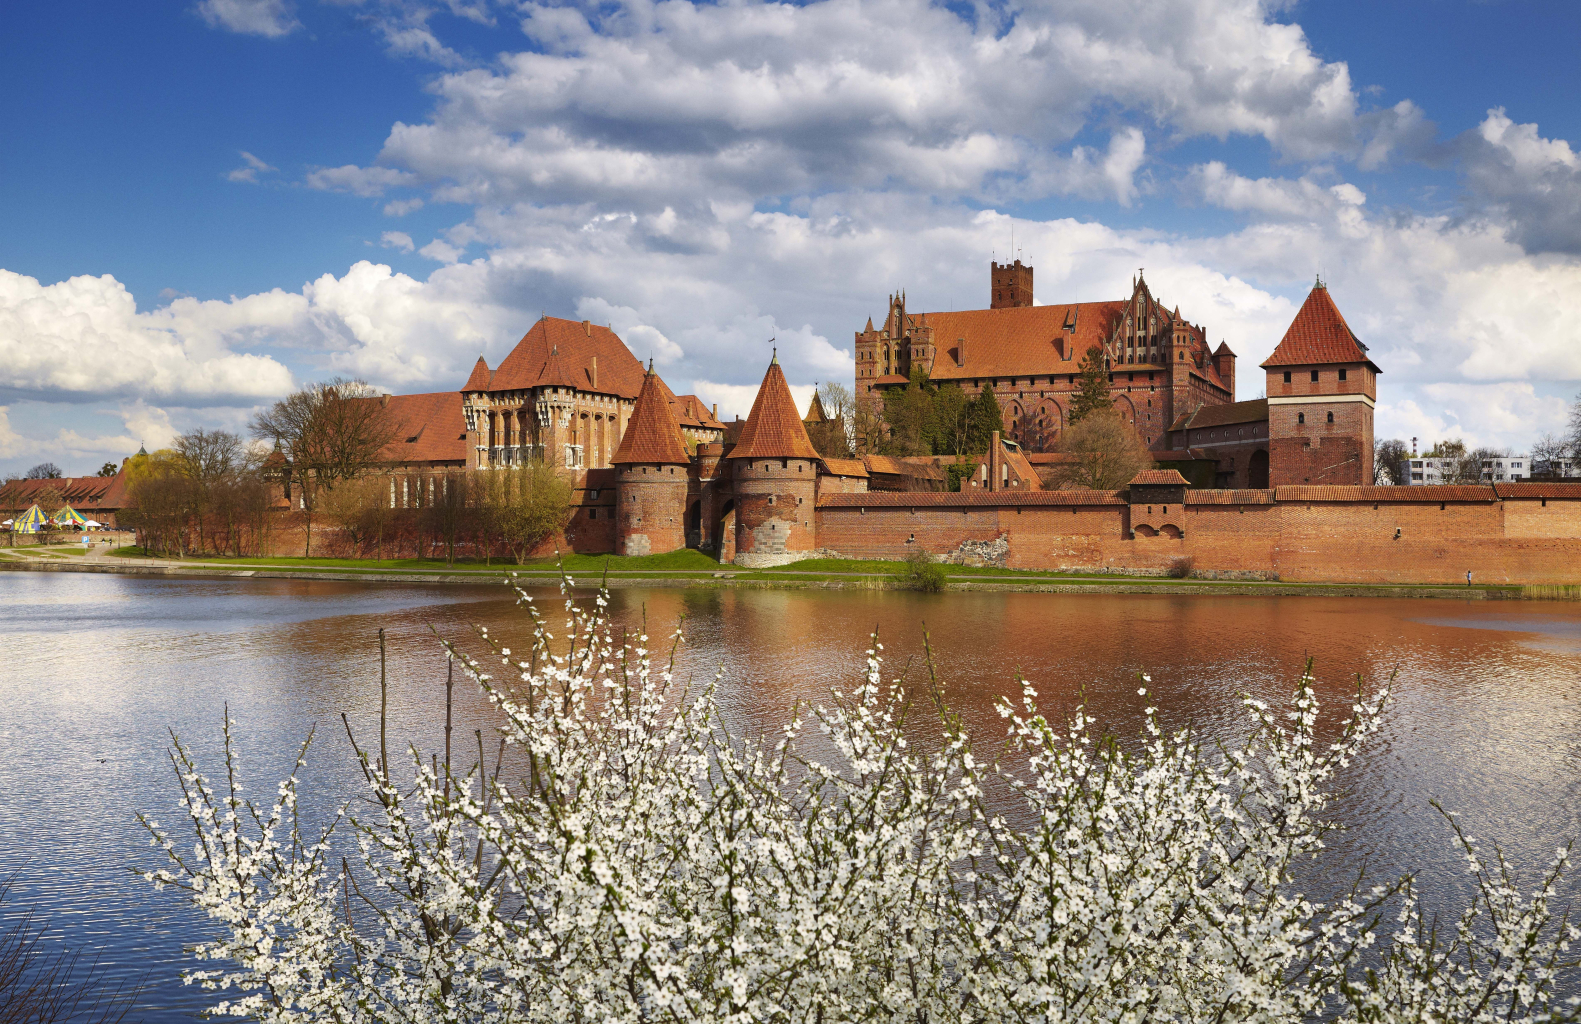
(1107, 452)
(327, 433)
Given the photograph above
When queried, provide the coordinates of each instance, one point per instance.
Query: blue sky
(208, 203)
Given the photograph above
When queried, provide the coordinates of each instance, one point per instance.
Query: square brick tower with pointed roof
(1322, 388)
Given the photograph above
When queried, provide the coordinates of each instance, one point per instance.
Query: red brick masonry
(1522, 533)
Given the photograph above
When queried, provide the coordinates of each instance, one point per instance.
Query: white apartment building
(1427, 472)
(1558, 467)
(1506, 468)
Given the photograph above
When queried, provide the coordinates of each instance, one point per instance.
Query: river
(97, 670)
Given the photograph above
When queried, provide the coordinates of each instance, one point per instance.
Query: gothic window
(1301, 417)
(1331, 417)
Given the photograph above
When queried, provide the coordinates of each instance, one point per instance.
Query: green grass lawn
(690, 564)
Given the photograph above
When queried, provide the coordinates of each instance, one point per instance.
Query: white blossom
(649, 865)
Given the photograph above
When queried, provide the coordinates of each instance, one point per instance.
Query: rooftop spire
(653, 435)
(774, 429)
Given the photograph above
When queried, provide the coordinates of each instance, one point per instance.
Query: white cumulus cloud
(268, 18)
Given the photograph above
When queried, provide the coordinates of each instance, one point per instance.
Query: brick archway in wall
(1257, 470)
(1126, 408)
(694, 524)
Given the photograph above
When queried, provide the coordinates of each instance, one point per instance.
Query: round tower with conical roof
(651, 476)
(775, 471)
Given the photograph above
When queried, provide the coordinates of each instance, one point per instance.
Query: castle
(1176, 392)
(1159, 362)
(1274, 488)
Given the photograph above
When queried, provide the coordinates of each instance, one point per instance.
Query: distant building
(1556, 469)
(1508, 467)
(1430, 472)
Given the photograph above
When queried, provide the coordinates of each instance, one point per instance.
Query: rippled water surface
(95, 671)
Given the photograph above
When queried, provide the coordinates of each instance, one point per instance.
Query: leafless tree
(832, 437)
(449, 515)
(327, 433)
(1108, 453)
(41, 985)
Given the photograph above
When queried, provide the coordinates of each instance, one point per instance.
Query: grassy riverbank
(695, 569)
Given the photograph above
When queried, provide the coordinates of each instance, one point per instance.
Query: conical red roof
(774, 430)
(479, 381)
(1319, 334)
(652, 434)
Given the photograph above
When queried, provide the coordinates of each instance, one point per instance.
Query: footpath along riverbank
(815, 574)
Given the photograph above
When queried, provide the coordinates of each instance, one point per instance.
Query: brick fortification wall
(1364, 535)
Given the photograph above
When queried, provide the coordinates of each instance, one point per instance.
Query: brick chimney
(594, 368)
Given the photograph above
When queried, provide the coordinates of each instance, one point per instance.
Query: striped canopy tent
(30, 521)
(70, 517)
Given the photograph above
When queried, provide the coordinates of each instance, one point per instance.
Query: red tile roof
(1016, 341)
(1537, 489)
(479, 380)
(1447, 492)
(652, 434)
(1220, 415)
(923, 468)
(1229, 497)
(691, 412)
(1319, 335)
(561, 353)
(884, 499)
(432, 428)
(846, 467)
(774, 428)
(86, 494)
(1159, 478)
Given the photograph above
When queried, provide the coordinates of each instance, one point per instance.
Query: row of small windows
(1301, 417)
(1315, 375)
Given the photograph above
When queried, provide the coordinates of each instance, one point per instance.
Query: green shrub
(921, 572)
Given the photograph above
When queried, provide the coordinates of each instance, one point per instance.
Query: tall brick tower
(776, 479)
(650, 476)
(1322, 388)
(1011, 285)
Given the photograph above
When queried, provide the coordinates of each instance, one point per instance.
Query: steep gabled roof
(433, 428)
(86, 493)
(652, 434)
(1019, 340)
(1319, 334)
(561, 353)
(774, 428)
(479, 380)
(691, 412)
(815, 413)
